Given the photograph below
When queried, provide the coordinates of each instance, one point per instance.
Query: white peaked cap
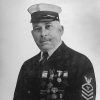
(44, 7)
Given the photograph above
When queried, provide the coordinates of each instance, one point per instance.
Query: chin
(45, 47)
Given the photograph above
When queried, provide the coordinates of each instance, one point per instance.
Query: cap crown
(44, 7)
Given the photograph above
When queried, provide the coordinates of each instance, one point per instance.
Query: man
(57, 72)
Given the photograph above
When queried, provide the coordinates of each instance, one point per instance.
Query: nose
(44, 32)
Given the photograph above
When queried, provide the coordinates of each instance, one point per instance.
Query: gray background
(81, 20)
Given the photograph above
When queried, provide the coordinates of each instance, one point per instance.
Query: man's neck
(50, 52)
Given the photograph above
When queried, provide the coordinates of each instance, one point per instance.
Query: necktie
(45, 56)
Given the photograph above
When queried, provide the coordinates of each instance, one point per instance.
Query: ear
(61, 30)
(32, 31)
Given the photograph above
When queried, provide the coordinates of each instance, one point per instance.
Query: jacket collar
(61, 52)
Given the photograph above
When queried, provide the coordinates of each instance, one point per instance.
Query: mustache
(44, 39)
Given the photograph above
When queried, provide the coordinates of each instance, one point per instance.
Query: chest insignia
(54, 84)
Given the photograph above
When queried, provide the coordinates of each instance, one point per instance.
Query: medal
(54, 89)
(51, 77)
(54, 96)
(59, 79)
(61, 96)
(44, 74)
(50, 85)
(51, 74)
(59, 72)
(65, 74)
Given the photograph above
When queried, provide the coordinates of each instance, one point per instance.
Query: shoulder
(77, 56)
(77, 59)
(74, 55)
(83, 74)
(28, 64)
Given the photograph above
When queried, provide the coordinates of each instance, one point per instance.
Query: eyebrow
(48, 23)
(35, 26)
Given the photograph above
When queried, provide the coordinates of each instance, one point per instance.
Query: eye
(37, 29)
(48, 26)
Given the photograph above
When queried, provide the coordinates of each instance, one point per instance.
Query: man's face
(47, 35)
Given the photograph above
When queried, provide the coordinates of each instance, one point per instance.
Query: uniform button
(28, 91)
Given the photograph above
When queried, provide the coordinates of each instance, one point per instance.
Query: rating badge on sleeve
(87, 89)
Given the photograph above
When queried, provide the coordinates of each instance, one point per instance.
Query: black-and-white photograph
(50, 50)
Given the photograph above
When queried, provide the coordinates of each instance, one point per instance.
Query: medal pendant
(59, 79)
(54, 96)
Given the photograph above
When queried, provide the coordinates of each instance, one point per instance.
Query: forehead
(41, 24)
(53, 23)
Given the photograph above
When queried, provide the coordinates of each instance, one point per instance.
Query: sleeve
(20, 85)
(88, 82)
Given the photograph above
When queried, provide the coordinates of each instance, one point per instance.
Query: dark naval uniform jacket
(67, 75)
